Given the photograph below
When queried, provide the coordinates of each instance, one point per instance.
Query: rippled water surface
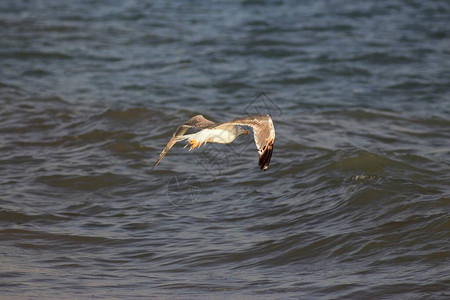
(355, 203)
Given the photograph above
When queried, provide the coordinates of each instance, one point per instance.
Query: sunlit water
(355, 203)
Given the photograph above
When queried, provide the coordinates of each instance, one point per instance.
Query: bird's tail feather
(183, 137)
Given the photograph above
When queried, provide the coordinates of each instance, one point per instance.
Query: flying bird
(225, 133)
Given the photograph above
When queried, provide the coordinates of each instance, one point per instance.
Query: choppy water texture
(355, 203)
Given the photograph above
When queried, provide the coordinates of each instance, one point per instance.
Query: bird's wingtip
(264, 158)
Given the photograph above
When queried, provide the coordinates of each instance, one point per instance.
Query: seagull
(225, 133)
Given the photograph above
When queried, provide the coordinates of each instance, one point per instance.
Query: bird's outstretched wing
(263, 133)
(197, 121)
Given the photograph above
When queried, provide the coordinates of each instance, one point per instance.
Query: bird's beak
(246, 132)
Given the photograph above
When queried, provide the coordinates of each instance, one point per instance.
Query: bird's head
(242, 131)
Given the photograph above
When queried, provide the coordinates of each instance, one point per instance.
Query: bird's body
(225, 133)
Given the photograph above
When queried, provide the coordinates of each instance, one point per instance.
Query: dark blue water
(355, 203)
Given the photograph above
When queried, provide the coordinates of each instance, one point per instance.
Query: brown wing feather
(263, 133)
(197, 121)
(264, 158)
